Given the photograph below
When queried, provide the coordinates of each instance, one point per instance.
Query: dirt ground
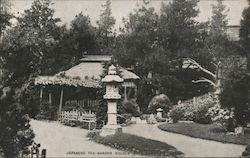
(64, 141)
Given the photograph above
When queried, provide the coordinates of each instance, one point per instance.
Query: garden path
(59, 139)
(191, 147)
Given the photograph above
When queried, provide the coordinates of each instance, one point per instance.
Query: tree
(245, 29)
(178, 31)
(245, 41)
(5, 16)
(215, 46)
(105, 24)
(182, 36)
(83, 36)
(219, 21)
(138, 41)
(24, 49)
(245, 35)
(235, 91)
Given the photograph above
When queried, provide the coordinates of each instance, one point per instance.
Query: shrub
(131, 107)
(246, 153)
(197, 112)
(222, 116)
(176, 114)
(160, 101)
(160, 119)
(200, 115)
(47, 111)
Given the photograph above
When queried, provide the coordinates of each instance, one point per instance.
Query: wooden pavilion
(79, 85)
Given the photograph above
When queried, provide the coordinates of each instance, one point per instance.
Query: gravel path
(191, 147)
(64, 141)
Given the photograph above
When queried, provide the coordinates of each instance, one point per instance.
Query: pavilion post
(61, 101)
(125, 92)
(50, 100)
(41, 95)
(135, 94)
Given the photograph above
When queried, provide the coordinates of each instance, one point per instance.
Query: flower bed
(209, 132)
(136, 145)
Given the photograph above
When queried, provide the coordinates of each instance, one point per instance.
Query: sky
(67, 9)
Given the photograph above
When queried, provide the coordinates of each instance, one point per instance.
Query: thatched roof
(96, 58)
(85, 74)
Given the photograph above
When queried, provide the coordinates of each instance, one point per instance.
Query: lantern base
(110, 130)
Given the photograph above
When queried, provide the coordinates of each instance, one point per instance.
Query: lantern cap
(159, 109)
(112, 70)
(112, 76)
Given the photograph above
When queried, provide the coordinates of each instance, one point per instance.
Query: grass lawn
(136, 145)
(209, 131)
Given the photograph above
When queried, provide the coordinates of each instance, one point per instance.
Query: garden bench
(88, 118)
(71, 117)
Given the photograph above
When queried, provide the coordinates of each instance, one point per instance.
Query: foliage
(219, 19)
(152, 44)
(131, 107)
(176, 114)
(105, 34)
(176, 24)
(5, 15)
(197, 112)
(246, 153)
(83, 36)
(47, 111)
(200, 115)
(245, 30)
(16, 134)
(224, 117)
(138, 40)
(136, 145)
(160, 101)
(206, 131)
(23, 50)
(235, 94)
(28, 45)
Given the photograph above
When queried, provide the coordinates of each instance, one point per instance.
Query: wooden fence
(197, 100)
(74, 116)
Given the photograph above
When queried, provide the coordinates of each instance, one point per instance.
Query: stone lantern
(159, 112)
(112, 95)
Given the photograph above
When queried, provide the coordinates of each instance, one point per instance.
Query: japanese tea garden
(165, 78)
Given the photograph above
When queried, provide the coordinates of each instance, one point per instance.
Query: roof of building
(233, 32)
(96, 58)
(86, 74)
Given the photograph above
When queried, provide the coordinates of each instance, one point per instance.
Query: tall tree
(139, 39)
(215, 47)
(182, 36)
(179, 32)
(24, 48)
(219, 21)
(83, 34)
(245, 41)
(105, 26)
(245, 32)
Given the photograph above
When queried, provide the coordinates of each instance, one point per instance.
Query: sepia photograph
(124, 78)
